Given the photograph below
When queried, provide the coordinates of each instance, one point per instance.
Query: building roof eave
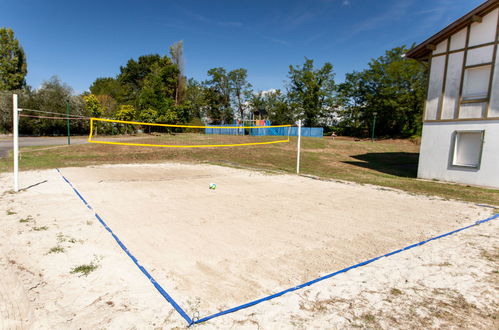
(424, 49)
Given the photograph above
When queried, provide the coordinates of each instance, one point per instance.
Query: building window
(468, 148)
(476, 83)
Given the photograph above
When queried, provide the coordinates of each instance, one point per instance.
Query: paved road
(6, 142)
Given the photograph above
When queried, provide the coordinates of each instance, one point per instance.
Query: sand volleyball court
(254, 235)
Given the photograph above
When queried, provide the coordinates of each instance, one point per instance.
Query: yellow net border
(90, 140)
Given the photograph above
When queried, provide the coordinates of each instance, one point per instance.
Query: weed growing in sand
(60, 238)
(56, 249)
(490, 256)
(40, 228)
(84, 269)
(27, 219)
(368, 317)
(395, 292)
(63, 238)
(10, 212)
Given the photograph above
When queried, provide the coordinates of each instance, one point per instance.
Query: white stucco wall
(437, 150)
(459, 106)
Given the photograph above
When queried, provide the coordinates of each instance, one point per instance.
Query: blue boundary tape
(136, 262)
(275, 295)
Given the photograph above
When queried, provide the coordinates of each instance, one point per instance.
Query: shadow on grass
(402, 164)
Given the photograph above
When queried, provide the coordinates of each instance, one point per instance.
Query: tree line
(154, 88)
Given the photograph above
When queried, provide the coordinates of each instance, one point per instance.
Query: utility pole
(374, 124)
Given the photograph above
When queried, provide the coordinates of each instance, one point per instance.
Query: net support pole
(298, 152)
(15, 128)
(69, 126)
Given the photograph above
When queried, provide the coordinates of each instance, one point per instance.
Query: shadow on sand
(33, 185)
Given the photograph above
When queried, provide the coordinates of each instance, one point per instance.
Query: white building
(460, 141)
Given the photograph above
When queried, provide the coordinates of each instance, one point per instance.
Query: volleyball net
(132, 133)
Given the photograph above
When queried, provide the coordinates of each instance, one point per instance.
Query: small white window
(468, 148)
(476, 83)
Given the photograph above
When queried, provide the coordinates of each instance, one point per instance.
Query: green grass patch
(10, 212)
(395, 292)
(84, 269)
(56, 249)
(40, 228)
(388, 163)
(27, 219)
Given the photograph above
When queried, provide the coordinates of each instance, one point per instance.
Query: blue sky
(82, 40)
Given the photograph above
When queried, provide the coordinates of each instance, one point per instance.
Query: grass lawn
(389, 163)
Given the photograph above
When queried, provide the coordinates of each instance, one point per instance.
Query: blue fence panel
(307, 131)
(224, 131)
(270, 131)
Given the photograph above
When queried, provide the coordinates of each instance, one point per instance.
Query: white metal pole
(15, 124)
(299, 144)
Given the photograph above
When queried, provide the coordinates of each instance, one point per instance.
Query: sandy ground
(254, 235)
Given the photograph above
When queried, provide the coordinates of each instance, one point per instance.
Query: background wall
(437, 147)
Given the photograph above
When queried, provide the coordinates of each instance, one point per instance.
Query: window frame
(476, 99)
(455, 145)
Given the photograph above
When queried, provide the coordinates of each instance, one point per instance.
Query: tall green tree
(158, 93)
(312, 91)
(52, 96)
(216, 108)
(218, 96)
(13, 66)
(275, 103)
(240, 89)
(125, 112)
(352, 98)
(394, 87)
(133, 76)
(107, 86)
(195, 96)
(93, 106)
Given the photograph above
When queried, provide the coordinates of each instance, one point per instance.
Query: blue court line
(275, 295)
(280, 293)
(142, 269)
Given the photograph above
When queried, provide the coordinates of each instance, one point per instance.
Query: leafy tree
(216, 107)
(148, 115)
(93, 106)
(195, 96)
(52, 96)
(276, 104)
(394, 87)
(312, 91)
(126, 112)
(218, 96)
(134, 75)
(109, 105)
(352, 97)
(240, 89)
(13, 66)
(158, 93)
(107, 86)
